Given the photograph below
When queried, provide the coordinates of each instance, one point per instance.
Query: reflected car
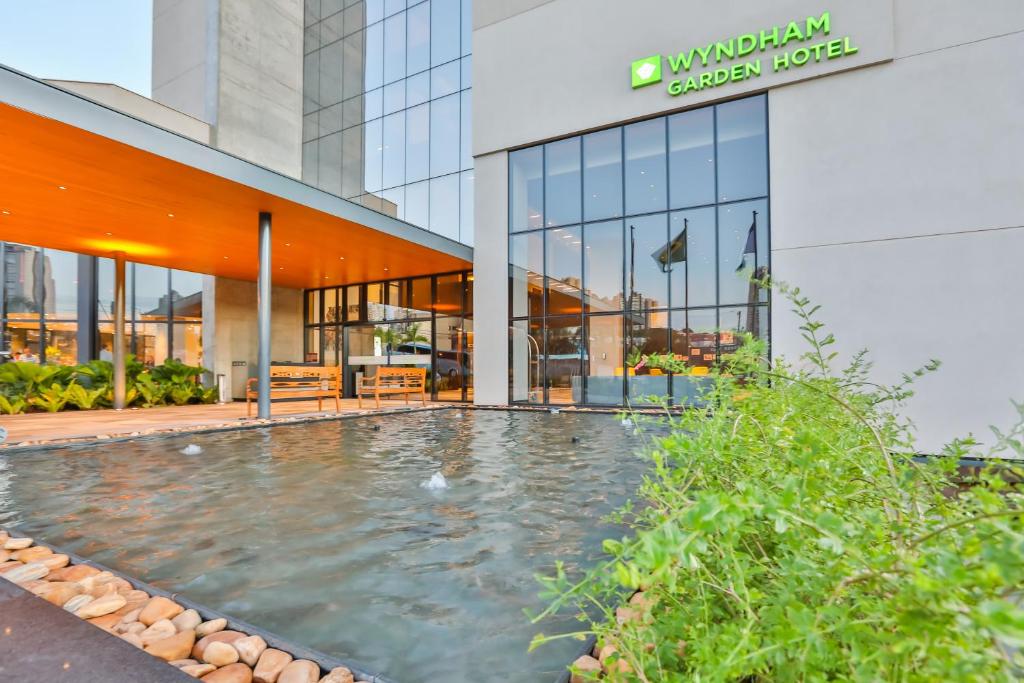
(450, 364)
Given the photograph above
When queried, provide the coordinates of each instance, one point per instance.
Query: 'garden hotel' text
(812, 34)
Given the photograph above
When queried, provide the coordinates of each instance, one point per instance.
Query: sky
(79, 40)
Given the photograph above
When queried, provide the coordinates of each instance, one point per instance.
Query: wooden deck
(73, 425)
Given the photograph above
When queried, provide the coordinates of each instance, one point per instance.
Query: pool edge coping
(258, 423)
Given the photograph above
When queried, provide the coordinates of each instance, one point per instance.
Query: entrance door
(359, 355)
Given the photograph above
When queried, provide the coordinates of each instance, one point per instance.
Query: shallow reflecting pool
(331, 534)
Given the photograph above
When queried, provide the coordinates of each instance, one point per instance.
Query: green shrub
(51, 398)
(85, 387)
(82, 398)
(151, 392)
(12, 405)
(784, 534)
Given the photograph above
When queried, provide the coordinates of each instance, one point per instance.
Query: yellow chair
(698, 370)
(655, 372)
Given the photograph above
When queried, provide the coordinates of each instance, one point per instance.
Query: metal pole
(119, 347)
(263, 320)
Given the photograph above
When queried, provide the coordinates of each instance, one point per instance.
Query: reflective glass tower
(387, 108)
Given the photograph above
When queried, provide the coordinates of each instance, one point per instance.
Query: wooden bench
(389, 380)
(299, 381)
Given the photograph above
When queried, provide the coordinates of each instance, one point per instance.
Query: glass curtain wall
(636, 240)
(48, 296)
(39, 309)
(387, 108)
(417, 322)
(163, 313)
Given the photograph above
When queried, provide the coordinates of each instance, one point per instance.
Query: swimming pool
(330, 534)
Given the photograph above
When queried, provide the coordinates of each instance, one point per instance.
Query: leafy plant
(411, 335)
(49, 398)
(12, 405)
(387, 336)
(131, 395)
(150, 391)
(91, 385)
(100, 373)
(207, 394)
(25, 378)
(173, 371)
(180, 394)
(786, 534)
(82, 398)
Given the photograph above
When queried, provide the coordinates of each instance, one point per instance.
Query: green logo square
(646, 71)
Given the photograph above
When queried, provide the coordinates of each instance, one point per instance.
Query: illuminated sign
(715, 64)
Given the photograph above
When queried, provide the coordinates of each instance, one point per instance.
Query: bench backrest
(405, 377)
(304, 376)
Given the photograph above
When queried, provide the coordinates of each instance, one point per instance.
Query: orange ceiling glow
(65, 188)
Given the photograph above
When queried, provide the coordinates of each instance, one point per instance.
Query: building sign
(791, 47)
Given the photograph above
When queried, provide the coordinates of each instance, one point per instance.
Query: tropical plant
(82, 398)
(91, 385)
(24, 378)
(151, 392)
(12, 405)
(786, 533)
(49, 398)
(207, 394)
(411, 334)
(387, 336)
(174, 371)
(131, 395)
(634, 358)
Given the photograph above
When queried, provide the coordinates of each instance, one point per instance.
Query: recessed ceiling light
(170, 215)
(385, 269)
(341, 258)
(287, 244)
(327, 277)
(225, 258)
(108, 234)
(281, 268)
(6, 212)
(61, 187)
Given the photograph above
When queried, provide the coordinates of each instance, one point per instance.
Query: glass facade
(163, 311)
(420, 322)
(387, 108)
(57, 307)
(39, 314)
(635, 240)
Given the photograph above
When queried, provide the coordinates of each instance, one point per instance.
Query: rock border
(199, 641)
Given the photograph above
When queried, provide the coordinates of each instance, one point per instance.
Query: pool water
(330, 535)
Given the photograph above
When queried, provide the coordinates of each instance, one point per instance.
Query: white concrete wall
(229, 326)
(236, 64)
(140, 107)
(898, 204)
(897, 188)
(185, 56)
(259, 108)
(564, 66)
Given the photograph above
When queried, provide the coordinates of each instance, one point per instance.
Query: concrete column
(120, 383)
(490, 285)
(263, 319)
